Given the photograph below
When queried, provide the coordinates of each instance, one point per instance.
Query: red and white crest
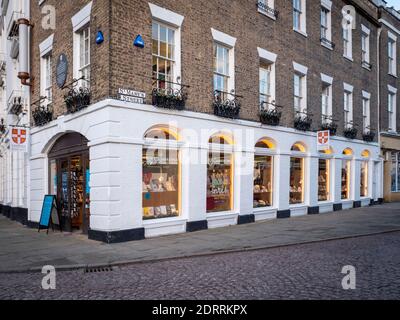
(323, 137)
(18, 135)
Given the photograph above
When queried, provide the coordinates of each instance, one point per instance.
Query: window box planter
(42, 115)
(226, 107)
(331, 126)
(270, 117)
(350, 133)
(369, 136)
(77, 99)
(302, 122)
(169, 98)
(264, 8)
(2, 126)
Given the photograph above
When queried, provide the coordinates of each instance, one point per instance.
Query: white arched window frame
(298, 181)
(347, 177)
(328, 184)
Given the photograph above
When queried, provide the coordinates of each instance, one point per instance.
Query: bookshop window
(53, 177)
(263, 168)
(346, 169)
(161, 176)
(219, 179)
(323, 180)
(296, 180)
(364, 179)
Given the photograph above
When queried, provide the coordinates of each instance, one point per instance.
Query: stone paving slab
(24, 249)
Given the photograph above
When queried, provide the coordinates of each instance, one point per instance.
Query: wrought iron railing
(172, 97)
(77, 99)
(270, 113)
(327, 42)
(43, 113)
(350, 131)
(226, 104)
(328, 123)
(368, 135)
(302, 120)
(263, 7)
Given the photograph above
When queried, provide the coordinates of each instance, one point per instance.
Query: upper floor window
(84, 56)
(47, 60)
(392, 111)
(300, 88)
(366, 112)
(267, 79)
(163, 51)
(348, 40)
(45, 49)
(392, 52)
(221, 68)
(365, 47)
(326, 24)
(326, 106)
(348, 106)
(299, 15)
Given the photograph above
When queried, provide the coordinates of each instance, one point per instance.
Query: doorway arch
(69, 177)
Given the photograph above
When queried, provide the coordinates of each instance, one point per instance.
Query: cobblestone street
(309, 271)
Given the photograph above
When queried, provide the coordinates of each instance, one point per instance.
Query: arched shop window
(346, 174)
(161, 174)
(263, 174)
(324, 176)
(297, 174)
(364, 174)
(219, 174)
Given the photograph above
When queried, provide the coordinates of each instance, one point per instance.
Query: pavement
(24, 250)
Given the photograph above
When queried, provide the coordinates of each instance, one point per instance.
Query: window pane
(154, 33)
(296, 180)
(160, 183)
(346, 179)
(364, 179)
(219, 185)
(262, 181)
(323, 180)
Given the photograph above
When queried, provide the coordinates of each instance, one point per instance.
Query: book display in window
(76, 189)
(262, 181)
(160, 184)
(219, 171)
(323, 180)
(345, 180)
(296, 181)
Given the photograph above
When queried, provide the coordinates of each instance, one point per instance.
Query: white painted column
(311, 181)
(356, 180)
(38, 185)
(282, 183)
(243, 192)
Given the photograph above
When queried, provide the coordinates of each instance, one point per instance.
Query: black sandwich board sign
(49, 214)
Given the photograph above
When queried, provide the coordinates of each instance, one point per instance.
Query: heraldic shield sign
(323, 140)
(19, 139)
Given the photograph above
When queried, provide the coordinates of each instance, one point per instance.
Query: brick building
(161, 117)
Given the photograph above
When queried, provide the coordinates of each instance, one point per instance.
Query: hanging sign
(323, 140)
(18, 139)
(131, 96)
(49, 214)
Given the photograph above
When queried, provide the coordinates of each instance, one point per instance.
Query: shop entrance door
(72, 194)
(69, 181)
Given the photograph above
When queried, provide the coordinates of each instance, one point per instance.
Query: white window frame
(365, 46)
(395, 157)
(174, 21)
(348, 105)
(268, 3)
(301, 72)
(80, 22)
(326, 6)
(392, 54)
(366, 106)
(46, 48)
(348, 41)
(392, 109)
(327, 82)
(269, 58)
(299, 16)
(228, 42)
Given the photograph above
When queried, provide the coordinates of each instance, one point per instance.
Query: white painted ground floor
(125, 171)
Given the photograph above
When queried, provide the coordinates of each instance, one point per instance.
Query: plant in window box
(2, 126)
(269, 114)
(302, 121)
(369, 136)
(42, 115)
(350, 132)
(226, 105)
(329, 124)
(169, 98)
(77, 99)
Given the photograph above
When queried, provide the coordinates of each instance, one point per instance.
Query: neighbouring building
(160, 117)
(14, 108)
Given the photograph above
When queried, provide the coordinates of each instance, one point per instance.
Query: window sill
(323, 44)
(271, 16)
(304, 34)
(348, 58)
(393, 75)
(366, 68)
